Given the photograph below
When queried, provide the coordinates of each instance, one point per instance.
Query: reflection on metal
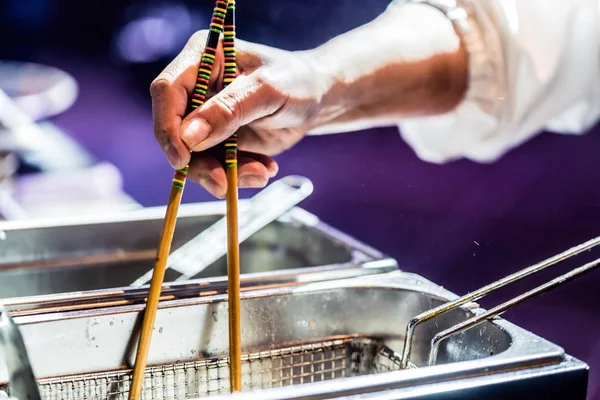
(109, 251)
(13, 353)
(209, 246)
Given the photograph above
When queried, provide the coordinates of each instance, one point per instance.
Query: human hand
(275, 99)
(409, 62)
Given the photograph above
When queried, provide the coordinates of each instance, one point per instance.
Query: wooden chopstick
(233, 264)
(233, 256)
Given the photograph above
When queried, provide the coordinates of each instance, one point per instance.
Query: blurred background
(79, 72)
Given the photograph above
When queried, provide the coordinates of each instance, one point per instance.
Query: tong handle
(508, 305)
(484, 291)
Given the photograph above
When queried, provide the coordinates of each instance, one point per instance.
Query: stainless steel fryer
(110, 251)
(355, 326)
(323, 317)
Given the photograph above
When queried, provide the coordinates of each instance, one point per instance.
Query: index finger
(170, 92)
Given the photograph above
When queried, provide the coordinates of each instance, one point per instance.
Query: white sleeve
(534, 65)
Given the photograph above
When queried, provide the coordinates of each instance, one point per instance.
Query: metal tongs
(22, 382)
(211, 244)
(500, 309)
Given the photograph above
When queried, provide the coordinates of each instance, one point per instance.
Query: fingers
(246, 99)
(170, 93)
(168, 107)
(254, 171)
(206, 171)
(251, 141)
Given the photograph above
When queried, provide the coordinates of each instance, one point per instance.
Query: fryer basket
(322, 361)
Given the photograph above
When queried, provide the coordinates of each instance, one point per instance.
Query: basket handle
(478, 294)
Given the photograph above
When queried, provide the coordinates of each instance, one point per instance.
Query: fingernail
(213, 186)
(195, 131)
(252, 181)
(172, 155)
(273, 171)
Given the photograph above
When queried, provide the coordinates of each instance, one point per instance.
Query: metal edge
(216, 208)
(526, 351)
(370, 259)
(309, 219)
(406, 383)
(569, 365)
(136, 295)
(522, 340)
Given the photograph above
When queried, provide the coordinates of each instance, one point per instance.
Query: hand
(409, 62)
(274, 100)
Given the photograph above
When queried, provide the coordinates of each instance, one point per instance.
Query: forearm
(408, 62)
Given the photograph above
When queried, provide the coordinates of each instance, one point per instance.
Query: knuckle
(264, 83)
(271, 94)
(261, 79)
(228, 106)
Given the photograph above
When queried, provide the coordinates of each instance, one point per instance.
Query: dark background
(460, 225)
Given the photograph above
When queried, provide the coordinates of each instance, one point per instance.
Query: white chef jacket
(534, 65)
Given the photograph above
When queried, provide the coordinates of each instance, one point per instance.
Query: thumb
(246, 99)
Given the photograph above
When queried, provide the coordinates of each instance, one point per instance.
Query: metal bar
(478, 294)
(101, 298)
(22, 382)
(510, 304)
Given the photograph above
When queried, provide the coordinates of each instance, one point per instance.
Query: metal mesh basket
(283, 367)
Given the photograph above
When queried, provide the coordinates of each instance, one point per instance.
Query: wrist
(408, 62)
(331, 87)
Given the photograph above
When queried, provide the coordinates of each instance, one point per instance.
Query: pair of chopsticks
(223, 21)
